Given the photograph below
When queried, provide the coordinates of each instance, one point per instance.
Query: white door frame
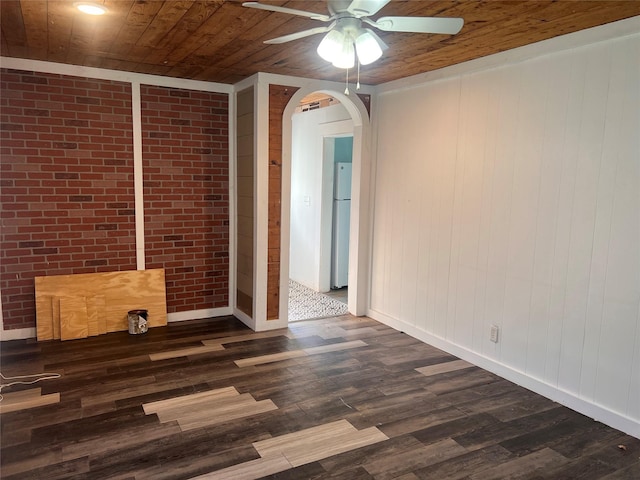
(329, 133)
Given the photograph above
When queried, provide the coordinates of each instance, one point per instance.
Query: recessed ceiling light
(91, 8)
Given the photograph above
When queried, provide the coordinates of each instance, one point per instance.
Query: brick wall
(186, 194)
(66, 187)
(66, 183)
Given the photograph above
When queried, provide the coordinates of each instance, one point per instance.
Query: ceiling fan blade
(297, 35)
(444, 25)
(365, 8)
(291, 11)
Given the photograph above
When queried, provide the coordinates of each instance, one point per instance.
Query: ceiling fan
(347, 31)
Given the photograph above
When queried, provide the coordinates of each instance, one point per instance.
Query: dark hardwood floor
(340, 398)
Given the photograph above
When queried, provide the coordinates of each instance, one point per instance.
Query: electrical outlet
(495, 330)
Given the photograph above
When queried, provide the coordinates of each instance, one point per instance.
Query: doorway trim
(360, 201)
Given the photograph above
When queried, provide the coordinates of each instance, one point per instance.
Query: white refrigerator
(341, 222)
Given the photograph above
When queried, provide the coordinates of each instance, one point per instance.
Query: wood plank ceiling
(221, 41)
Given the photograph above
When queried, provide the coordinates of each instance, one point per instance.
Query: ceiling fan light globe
(368, 48)
(344, 63)
(331, 45)
(346, 58)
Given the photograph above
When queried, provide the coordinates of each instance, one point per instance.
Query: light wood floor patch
(324, 432)
(228, 414)
(196, 405)
(22, 394)
(299, 448)
(207, 408)
(22, 400)
(213, 408)
(334, 347)
(185, 352)
(328, 332)
(282, 332)
(250, 470)
(444, 367)
(184, 400)
(301, 454)
(316, 443)
(277, 357)
(217, 344)
(274, 357)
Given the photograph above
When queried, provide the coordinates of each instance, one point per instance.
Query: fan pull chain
(346, 84)
(358, 82)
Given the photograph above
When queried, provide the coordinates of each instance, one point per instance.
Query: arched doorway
(321, 165)
(359, 238)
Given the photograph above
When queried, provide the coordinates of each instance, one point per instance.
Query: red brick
(173, 154)
(98, 174)
(47, 195)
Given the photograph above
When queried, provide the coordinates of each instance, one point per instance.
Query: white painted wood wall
(511, 196)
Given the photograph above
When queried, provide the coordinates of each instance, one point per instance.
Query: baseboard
(591, 410)
(198, 314)
(17, 334)
(24, 333)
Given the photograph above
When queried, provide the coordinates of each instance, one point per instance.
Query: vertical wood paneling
(589, 147)
(245, 197)
(568, 148)
(543, 334)
(379, 226)
(279, 97)
(608, 165)
(447, 154)
(507, 98)
(387, 285)
(393, 270)
(524, 200)
(467, 205)
(407, 210)
(621, 321)
(510, 197)
(483, 320)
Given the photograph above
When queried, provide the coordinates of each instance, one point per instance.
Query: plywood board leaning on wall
(88, 304)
